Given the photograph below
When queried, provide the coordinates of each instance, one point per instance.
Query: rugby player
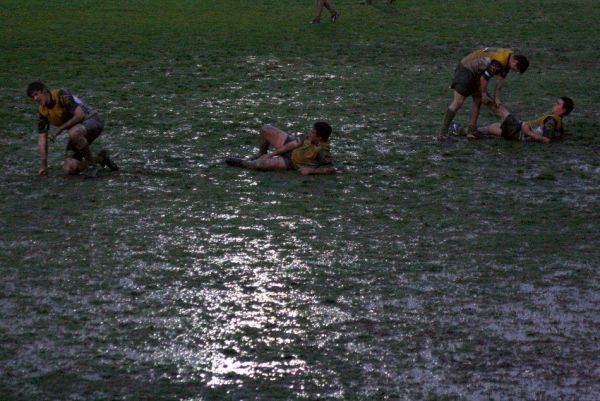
(546, 128)
(58, 107)
(308, 153)
(471, 78)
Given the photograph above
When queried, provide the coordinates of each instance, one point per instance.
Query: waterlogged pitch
(466, 271)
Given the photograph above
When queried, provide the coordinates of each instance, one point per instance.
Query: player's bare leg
(266, 163)
(492, 129)
(318, 10)
(457, 101)
(475, 110)
(270, 136)
(332, 11)
(78, 140)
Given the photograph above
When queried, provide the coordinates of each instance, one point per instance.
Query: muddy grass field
(465, 271)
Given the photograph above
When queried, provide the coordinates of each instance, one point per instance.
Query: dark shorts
(93, 128)
(511, 128)
(465, 82)
(287, 156)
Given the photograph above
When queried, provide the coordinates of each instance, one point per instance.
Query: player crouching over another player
(65, 111)
(308, 153)
(546, 128)
(471, 78)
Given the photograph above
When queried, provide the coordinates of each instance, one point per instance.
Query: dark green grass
(466, 271)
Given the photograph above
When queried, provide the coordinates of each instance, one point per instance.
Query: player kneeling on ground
(546, 128)
(308, 153)
(65, 111)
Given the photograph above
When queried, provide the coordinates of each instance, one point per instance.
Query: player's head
(38, 91)
(563, 106)
(519, 63)
(323, 130)
(36, 86)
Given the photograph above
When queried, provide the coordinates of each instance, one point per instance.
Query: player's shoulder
(64, 97)
(61, 92)
(553, 119)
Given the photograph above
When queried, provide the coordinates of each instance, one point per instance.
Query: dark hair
(568, 104)
(522, 62)
(36, 86)
(323, 130)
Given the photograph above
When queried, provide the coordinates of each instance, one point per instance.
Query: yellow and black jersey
(548, 125)
(60, 109)
(311, 155)
(488, 62)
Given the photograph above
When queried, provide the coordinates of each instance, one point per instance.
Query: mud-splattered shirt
(488, 62)
(311, 155)
(60, 109)
(548, 125)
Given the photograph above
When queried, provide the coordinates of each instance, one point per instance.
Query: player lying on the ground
(65, 111)
(471, 78)
(308, 153)
(546, 128)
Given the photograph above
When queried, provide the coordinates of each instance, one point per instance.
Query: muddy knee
(267, 129)
(71, 166)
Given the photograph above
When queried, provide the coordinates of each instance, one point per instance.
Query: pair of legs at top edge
(319, 5)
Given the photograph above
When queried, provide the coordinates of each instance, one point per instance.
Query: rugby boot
(105, 160)
(455, 130)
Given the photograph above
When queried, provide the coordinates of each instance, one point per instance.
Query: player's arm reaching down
(483, 85)
(43, 151)
(499, 84)
(494, 69)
